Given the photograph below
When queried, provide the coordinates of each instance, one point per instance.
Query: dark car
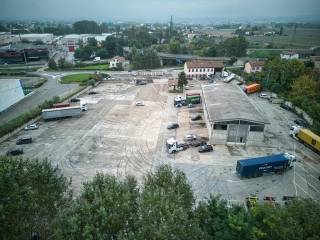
(285, 106)
(199, 143)
(301, 122)
(92, 93)
(184, 102)
(197, 117)
(173, 126)
(183, 145)
(205, 148)
(75, 100)
(24, 141)
(15, 152)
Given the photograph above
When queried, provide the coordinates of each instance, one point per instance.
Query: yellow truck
(307, 137)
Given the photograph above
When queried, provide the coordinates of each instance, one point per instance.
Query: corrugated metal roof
(227, 102)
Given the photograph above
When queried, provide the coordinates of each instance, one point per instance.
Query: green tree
(32, 192)
(52, 64)
(92, 42)
(182, 80)
(174, 47)
(210, 52)
(105, 207)
(85, 26)
(84, 53)
(234, 47)
(145, 59)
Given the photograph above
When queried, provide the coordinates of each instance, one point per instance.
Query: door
(237, 133)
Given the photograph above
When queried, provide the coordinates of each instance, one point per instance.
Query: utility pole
(171, 27)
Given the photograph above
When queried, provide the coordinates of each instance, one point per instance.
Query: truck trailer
(193, 98)
(56, 113)
(306, 136)
(252, 88)
(256, 167)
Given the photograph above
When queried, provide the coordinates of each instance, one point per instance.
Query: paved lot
(114, 136)
(47, 91)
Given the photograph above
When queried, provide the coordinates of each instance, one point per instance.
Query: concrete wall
(255, 138)
(219, 136)
(10, 93)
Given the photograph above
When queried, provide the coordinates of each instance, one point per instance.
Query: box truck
(256, 167)
(193, 98)
(306, 136)
(252, 88)
(56, 113)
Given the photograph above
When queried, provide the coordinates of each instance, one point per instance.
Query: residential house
(254, 66)
(202, 68)
(316, 62)
(117, 60)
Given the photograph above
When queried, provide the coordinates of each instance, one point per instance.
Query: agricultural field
(76, 78)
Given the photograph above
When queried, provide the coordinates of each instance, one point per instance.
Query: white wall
(10, 92)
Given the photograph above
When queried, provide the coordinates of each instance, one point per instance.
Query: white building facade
(254, 66)
(11, 92)
(289, 55)
(202, 68)
(115, 61)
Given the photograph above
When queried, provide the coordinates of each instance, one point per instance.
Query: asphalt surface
(47, 91)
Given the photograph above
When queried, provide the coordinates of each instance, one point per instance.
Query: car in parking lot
(264, 95)
(186, 87)
(173, 126)
(198, 143)
(75, 100)
(205, 148)
(301, 122)
(14, 152)
(190, 137)
(32, 126)
(285, 106)
(24, 140)
(140, 103)
(190, 105)
(92, 93)
(196, 117)
(184, 146)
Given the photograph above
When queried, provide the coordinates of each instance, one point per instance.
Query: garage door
(237, 133)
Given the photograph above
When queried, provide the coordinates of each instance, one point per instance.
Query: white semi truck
(173, 146)
(64, 112)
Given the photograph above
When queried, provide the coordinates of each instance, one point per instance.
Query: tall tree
(86, 26)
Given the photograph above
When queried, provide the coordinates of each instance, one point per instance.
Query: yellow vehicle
(309, 138)
(252, 200)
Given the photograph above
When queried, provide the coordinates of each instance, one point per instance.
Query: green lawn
(76, 78)
(264, 53)
(101, 67)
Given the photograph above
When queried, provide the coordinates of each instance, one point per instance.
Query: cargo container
(256, 167)
(194, 98)
(255, 87)
(306, 136)
(60, 105)
(56, 113)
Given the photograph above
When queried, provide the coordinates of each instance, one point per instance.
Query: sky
(156, 10)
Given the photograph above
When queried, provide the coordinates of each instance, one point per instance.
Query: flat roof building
(11, 92)
(230, 115)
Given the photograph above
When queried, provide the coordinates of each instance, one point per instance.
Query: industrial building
(230, 116)
(202, 68)
(11, 92)
(35, 37)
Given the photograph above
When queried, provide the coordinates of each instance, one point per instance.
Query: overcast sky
(154, 10)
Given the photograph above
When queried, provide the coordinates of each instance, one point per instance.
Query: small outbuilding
(230, 115)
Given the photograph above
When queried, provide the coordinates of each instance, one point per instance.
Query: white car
(186, 87)
(190, 137)
(32, 126)
(264, 95)
(140, 103)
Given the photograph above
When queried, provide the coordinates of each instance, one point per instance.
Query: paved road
(47, 91)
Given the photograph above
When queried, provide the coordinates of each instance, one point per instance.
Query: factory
(230, 115)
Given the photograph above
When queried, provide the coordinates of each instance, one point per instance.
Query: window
(208, 69)
(200, 69)
(220, 127)
(256, 128)
(196, 69)
(192, 69)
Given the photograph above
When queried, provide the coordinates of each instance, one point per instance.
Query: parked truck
(256, 167)
(306, 136)
(193, 98)
(252, 88)
(56, 113)
(173, 146)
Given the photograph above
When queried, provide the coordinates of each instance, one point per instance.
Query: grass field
(101, 67)
(303, 38)
(264, 53)
(80, 78)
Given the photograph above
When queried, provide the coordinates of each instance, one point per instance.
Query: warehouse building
(202, 68)
(35, 37)
(11, 92)
(230, 116)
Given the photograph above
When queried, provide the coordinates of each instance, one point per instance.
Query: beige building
(254, 66)
(231, 117)
(115, 61)
(202, 68)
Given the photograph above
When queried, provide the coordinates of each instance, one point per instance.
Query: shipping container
(309, 138)
(56, 113)
(193, 98)
(255, 87)
(256, 167)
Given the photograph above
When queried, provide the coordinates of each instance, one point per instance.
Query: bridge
(186, 57)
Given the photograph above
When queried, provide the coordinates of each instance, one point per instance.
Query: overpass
(186, 57)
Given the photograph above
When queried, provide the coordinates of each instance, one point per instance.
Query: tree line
(36, 201)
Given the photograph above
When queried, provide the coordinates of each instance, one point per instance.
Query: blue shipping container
(255, 167)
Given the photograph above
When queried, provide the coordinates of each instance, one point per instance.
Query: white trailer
(56, 113)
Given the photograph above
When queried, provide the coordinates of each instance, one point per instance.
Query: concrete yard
(116, 137)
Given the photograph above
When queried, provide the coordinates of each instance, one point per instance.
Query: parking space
(117, 137)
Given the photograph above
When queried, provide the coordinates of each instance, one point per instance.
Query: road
(47, 91)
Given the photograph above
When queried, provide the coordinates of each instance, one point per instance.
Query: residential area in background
(208, 131)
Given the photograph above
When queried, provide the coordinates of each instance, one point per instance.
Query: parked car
(173, 126)
(285, 106)
(75, 100)
(301, 122)
(190, 137)
(184, 102)
(140, 103)
(14, 152)
(32, 126)
(199, 143)
(205, 148)
(264, 95)
(92, 93)
(210, 81)
(186, 87)
(197, 117)
(184, 146)
(24, 141)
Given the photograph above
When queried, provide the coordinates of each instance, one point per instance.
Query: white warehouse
(202, 68)
(11, 92)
